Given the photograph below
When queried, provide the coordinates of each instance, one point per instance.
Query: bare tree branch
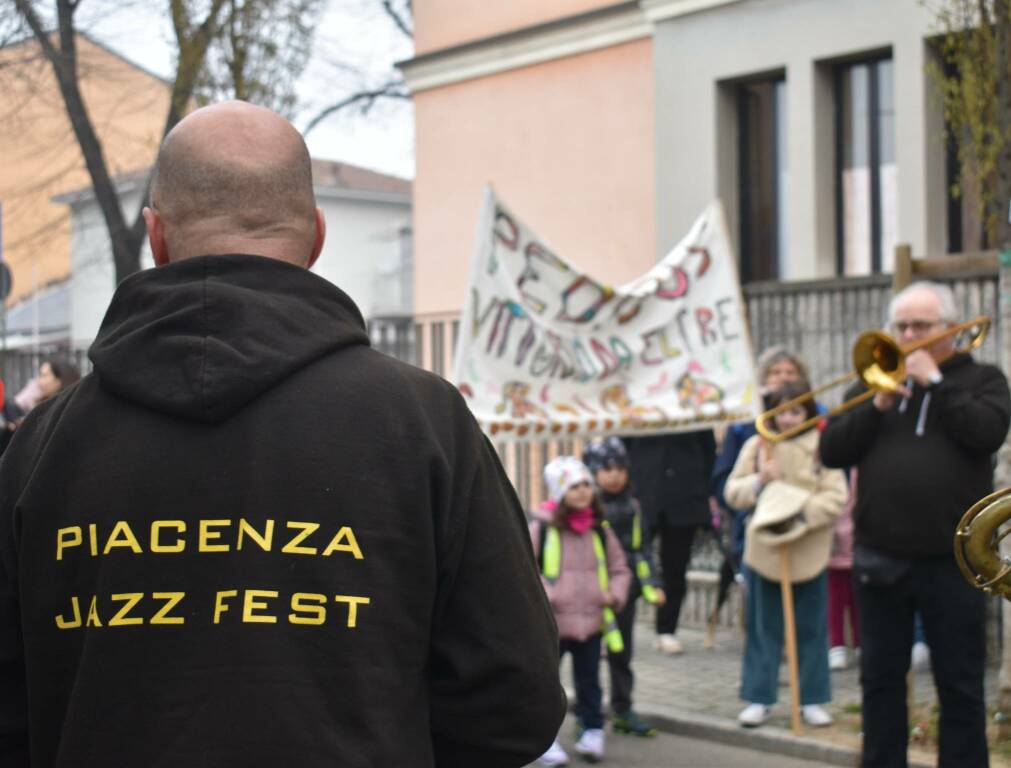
(35, 25)
(401, 23)
(263, 48)
(126, 241)
(365, 99)
(365, 96)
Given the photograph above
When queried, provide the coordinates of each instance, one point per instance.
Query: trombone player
(924, 454)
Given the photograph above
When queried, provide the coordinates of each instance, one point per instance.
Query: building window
(866, 182)
(761, 114)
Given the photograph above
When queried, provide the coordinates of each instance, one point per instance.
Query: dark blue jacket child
(607, 459)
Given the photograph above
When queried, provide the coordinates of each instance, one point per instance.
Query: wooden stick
(790, 634)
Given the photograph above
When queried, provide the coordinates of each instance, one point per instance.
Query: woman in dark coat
(671, 479)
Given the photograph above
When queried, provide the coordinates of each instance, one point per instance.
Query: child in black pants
(607, 459)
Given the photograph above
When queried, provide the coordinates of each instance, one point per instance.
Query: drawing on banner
(514, 396)
(699, 395)
(546, 349)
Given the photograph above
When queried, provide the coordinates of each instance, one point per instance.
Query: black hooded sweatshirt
(248, 539)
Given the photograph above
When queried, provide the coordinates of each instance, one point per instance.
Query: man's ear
(156, 236)
(317, 246)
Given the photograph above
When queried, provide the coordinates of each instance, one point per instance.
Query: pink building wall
(444, 23)
(568, 146)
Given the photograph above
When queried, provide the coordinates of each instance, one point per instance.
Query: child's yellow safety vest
(551, 564)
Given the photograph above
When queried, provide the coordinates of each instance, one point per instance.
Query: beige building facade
(812, 120)
(40, 154)
(552, 104)
(608, 127)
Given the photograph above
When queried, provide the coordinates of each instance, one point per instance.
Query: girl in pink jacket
(586, 578)
(841, 602)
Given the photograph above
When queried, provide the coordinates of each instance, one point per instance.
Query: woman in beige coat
(796, 500)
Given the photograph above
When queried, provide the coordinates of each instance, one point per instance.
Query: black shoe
(630, 722)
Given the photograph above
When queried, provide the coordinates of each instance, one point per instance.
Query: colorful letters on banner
(546, 350)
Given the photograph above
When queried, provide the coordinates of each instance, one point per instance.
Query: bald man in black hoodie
(249, 539)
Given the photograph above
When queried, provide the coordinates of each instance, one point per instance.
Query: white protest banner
(547, 351)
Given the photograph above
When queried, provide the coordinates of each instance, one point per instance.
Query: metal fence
(20, 366)
(820, 319)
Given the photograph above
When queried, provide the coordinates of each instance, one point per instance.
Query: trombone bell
(878, 361)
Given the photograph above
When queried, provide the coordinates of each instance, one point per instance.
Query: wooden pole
(790, 634)
(1002, 477)
(902, 275)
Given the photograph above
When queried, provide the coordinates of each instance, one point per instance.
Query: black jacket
(922, 464)
(671, 476)
(620, 510)
(248, 539)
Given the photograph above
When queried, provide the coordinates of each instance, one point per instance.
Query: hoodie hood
(201, 338)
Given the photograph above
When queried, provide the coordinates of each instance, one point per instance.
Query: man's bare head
(234, 178)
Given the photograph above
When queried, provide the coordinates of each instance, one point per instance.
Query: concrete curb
(769, 739)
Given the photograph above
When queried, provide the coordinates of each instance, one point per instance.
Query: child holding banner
(607, 459)
(586, 578)
(796, 500)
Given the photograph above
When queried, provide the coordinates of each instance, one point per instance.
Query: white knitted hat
(563, 473)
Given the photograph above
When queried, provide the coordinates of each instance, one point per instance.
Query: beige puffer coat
(800, 466)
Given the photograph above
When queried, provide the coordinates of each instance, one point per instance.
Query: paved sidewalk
(696, 694)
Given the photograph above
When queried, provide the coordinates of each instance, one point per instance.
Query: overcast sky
(352, 31)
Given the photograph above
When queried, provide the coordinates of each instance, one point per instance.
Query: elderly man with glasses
(924, 455)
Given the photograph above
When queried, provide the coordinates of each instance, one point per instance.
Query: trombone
(880, 363)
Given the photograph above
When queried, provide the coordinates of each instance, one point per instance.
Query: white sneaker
(591, 745)
(754, 715)
(555, 755)
(921, 656)
(837, 657)
(669, 645)
(815, 715)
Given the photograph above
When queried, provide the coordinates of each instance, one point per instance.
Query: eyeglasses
(916, 326)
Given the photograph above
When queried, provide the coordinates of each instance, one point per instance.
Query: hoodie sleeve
(18, 458)
(619, 577)
(742, 487)
(976, 419)
(848, 436)
(13, 694)
(496, 697)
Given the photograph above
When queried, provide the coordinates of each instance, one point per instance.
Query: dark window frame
(746, 259)
(874, 154)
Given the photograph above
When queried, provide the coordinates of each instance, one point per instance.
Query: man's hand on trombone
(921, 368)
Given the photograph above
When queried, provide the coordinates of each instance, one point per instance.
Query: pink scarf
(580, 520)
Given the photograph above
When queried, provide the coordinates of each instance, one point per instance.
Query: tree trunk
(1002, 23)
(126, 241)
(1002, 477)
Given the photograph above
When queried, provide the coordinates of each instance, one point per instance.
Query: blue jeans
(763, 646)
